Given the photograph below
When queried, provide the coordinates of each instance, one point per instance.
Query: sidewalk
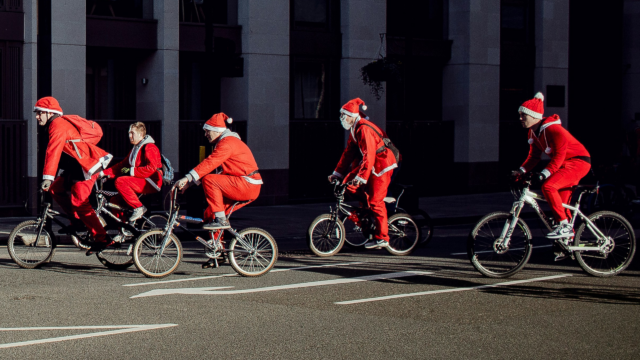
(289, 223)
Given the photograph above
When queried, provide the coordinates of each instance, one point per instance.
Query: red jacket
(562, 146)
(365, 141)
(143, 161)
(233, 156)
(91, 158)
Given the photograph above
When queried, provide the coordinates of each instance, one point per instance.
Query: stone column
(159, 98)
(631, 63)
(552, 51)
(362, 22)
(69, 55)
(471, 85)
(261, 96)
(30, 94)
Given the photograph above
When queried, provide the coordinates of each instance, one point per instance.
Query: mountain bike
(251, 251)
(327, 234)
(499, 245)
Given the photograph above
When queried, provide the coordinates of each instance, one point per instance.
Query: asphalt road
(312, 308)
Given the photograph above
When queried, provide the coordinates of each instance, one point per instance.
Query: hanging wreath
(380, 70)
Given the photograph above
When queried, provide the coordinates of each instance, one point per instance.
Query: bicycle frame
(527, 197)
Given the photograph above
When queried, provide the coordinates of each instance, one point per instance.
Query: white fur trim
(528, 111)
(539, 96)
(523, 170)
(194, 175)
(338, 174)
(252, 181)
(544, 126)
(212, 128)
(361, 179)
(152, 184)
(546, 173)
(390, 167)
(229, 120)
(349, 113)
(36, 108)
(48, 177)
(132, 171)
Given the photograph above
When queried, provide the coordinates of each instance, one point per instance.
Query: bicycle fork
(501, 245)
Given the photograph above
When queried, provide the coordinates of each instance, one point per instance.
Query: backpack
(90, 131)
(387, 143)
(167, 170)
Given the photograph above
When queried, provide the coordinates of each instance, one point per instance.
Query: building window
(422, 19)
(116, 8)
(111, 87)
(10, 80)
(310, 90)
(310, 13)
(199, 91)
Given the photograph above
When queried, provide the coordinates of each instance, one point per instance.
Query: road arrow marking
(207, 291)
(349, 302)
(118, 329)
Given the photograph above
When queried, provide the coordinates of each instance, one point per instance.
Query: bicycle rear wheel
(325, 237)
(491, 261)
(116, 257)
(425, 224)
(25, 250)
(618, 253)
(403, 234)
(255, 255)
(155, 222)
(147, 257)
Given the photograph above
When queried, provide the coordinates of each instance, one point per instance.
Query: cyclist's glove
(45, 185)
(516, 175)
(537, 178)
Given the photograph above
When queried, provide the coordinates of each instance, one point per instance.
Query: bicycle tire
(404, 234)
(261, 257)
(425, 224)
(19, 245)
(116, 257)
(483, 255)
(156, 221)
(320, 241)
(147, 260)
(353, 237)
(624, 244)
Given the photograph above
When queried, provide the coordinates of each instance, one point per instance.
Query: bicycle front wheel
(148, 259)
(325, 237)
(354, 237)
(619, 244)
(485, 253)
(255, 255)
(403, 234)
(25, 250)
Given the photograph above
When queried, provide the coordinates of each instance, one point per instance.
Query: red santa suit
(144, 174)
(65, 138)
(229, 174)
(570, 161)
(374, 170)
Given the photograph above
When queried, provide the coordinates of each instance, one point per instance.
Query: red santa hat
(48, 104)
(352, 107)
(218, 122)
(533, 107)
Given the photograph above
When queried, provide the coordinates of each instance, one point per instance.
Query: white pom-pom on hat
(539, 96)
(364, 107)
(547, 150)
(229, 120)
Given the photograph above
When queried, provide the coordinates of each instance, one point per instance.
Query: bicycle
(327, 235)
(31, 243)
(157, 253)
(499, 245)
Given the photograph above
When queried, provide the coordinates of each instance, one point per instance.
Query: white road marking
(119, 329)
(4, 232)
(490, 251)
(228, 275)
(206, 291)
(349, 302)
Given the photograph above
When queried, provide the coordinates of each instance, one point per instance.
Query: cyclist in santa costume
(229, 174)
(76, 163)
(370, 177)
(139, 173)
(570, 161)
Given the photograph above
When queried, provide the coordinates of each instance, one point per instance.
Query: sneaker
(217, 224)
(561, 231)
(560, 256)
(376, 244)
(137, 213)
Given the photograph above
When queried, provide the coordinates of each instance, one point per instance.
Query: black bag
(387, 143)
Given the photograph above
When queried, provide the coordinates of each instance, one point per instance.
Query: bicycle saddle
(389, 200)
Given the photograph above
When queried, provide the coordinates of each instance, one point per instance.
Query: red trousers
(222, 191)
(77, 205)
(373, 193)
(557, 188)
(129, 187)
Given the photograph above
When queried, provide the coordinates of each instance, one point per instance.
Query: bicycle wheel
(493, 262)
(155, 222)
(147, 257)
(25, 250)
(618, 253)
(116, 257)
(354, 237)
(403, 234)
(255, 255)
(425, 224)
(325, 237)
